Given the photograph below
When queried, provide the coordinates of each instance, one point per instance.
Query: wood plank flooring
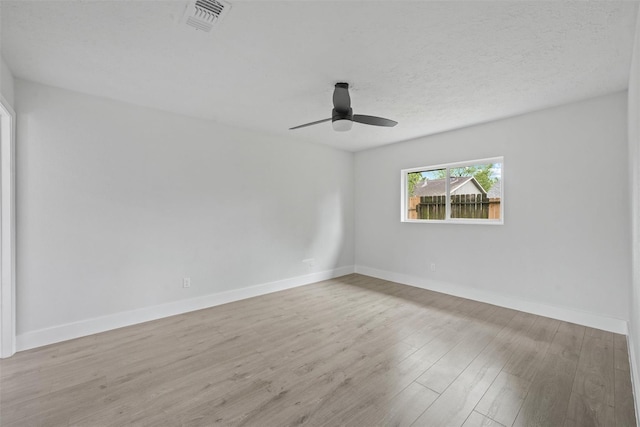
(352, 351)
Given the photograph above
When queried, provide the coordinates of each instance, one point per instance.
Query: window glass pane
(476, 191)
(426, 194)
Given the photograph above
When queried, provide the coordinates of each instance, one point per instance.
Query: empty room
(320, 213)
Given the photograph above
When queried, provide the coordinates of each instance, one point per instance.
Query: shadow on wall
(327, 242)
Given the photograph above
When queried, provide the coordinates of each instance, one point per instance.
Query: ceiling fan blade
(373, 120)
(341, 99)
(309, 124)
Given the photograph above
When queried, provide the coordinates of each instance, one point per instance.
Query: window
(464, 192)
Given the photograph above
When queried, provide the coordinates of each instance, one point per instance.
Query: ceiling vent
(204, 14)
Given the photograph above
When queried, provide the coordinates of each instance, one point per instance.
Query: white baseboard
(592, 320)
(635, 379)
(95, 325)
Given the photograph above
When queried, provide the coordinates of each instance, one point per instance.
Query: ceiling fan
(342, 116)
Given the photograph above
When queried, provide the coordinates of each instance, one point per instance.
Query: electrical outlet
(432, 267)
(186, 282)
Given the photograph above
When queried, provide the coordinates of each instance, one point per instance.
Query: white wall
(563, 250)
(6, 82)
(634, 168)
(117, 203)
(7, 216)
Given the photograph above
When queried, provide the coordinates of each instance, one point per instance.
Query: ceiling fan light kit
(342, 116)
(342, 125)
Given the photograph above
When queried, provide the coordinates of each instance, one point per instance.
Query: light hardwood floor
(353, 351)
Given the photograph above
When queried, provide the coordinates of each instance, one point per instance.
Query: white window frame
(404, 189)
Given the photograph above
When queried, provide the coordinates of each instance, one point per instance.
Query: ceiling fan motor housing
(342, 115)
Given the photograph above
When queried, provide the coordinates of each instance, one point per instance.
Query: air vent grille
(204, 14)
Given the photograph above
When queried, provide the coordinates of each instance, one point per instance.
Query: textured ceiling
(432, 66)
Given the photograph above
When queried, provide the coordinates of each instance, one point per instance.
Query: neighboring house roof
(436, 187)
(495, 192)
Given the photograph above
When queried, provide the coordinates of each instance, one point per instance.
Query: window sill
(455, 221)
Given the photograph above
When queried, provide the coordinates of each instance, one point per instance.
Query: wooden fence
(462, 206)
